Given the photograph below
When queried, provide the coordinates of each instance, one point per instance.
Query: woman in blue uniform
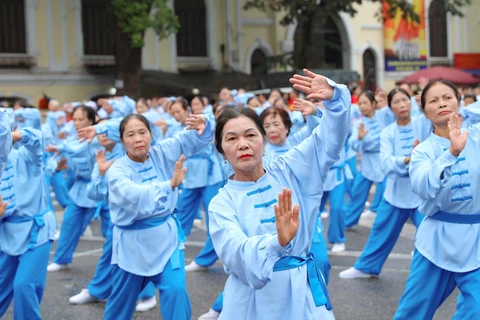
(262, 239)
(27, 227)
(445, 175)
(399, 202)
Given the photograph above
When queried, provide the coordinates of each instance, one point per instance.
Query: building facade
(64, 48)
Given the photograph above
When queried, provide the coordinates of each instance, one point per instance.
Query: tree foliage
(136, 16)
(303, 9)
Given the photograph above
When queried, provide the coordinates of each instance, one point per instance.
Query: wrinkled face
(367, 108)
(276, 130)
(467, 101)
(197, 106)
(80, 119)
(178, 113)
(136, 139)
(401, 106)
(243, 144)
(141, 107)
(440, 102)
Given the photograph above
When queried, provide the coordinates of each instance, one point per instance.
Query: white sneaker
(367, 203)
(411, 253)
(338, 247)
(83, 297)
(368, 214)
(197, 223)
(146, 304)
(210, 315)
(52, 267)
(325, 215)
(57, 235)
(193, 267)
(353, 273)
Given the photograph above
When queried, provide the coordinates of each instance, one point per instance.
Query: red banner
(466, 61)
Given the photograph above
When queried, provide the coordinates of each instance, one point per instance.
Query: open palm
(286, 219)
(312, 84)
(458, 140)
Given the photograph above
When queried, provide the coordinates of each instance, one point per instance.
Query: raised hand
(196, 122)
(458, 140)
(314, 85)
(361, 131)
(3, 206)
(305, 107)
(103, 164)
(286, 219)
(178, 173)
(87, 133)
(62, 135)
(62, 164)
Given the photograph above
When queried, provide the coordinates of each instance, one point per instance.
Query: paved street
(352, 299)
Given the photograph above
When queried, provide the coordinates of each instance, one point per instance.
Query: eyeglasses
(398, 101)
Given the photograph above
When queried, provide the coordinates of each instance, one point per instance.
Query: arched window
(369, 70)
(437, 23)
(192, 35)
(258, 62)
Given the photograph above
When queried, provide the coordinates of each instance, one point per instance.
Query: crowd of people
(265, 169)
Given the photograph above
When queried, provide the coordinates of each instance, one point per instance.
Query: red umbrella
(456, 76)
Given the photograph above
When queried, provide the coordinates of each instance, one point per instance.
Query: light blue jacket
(140, 191)
(5, 138)
(23, 186)
(243, 230)
(450, 184)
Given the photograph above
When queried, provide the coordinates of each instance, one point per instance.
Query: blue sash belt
(456, 218)
(210, 160)
(317, 285)
(100, 206)
(38, 222)
(340, 170)
(154, 222)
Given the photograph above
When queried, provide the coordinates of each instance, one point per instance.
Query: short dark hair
(21, 102)
(282, 113)
(90, 112)
(434, 82)
(183, 102)
(369, 94)
(235, 112)
(393, 92)
(137, 116)
(199, 98)
(471, 96)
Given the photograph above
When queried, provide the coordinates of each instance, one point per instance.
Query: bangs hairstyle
(393, 92)
(282, 113)
(229, 113)
(434, 82)
(127, 119)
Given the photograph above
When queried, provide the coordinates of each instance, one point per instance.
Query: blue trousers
(73, 226)
(189, 203)
(356, 204)
(172, 284)
(60, 189)
(218, 304)
(23, 279)
(428, 286)
(352, 164)
(378, 195)
(101, 285)
(384, 234)
(336, 225)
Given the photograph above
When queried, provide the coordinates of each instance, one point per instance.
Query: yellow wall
(63, 93)
(41, 34)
